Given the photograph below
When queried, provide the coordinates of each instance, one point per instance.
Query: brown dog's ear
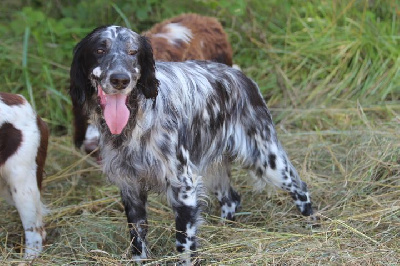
(148, 82)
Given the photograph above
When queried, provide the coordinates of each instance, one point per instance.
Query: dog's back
(189, 37)
(214, 105)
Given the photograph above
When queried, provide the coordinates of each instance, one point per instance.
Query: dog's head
(113, 63)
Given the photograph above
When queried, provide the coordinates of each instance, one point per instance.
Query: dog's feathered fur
(188, 122)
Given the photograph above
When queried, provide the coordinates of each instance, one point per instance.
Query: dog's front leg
(184, 197)
(134, 199)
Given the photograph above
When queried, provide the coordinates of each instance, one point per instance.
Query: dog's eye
(100, 51)
(132, 52)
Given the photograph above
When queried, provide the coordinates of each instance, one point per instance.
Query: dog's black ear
(80, 88)
(147, 82)
(78, 85)
(79, 81)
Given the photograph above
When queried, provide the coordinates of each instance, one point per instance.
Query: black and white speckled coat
(185, 124)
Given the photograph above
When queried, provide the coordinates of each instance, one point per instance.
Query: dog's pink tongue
(116, 113)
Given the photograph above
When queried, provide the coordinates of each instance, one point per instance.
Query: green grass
(330, 72)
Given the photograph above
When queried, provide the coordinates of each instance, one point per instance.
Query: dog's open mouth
(116, 113)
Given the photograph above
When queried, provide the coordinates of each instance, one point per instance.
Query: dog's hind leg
(218, 180)
(25, 196)
(273, 165)
(134, 199)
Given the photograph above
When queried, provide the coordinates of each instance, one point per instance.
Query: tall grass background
(330, 73)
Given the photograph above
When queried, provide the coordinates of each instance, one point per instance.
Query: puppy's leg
(184, 195)
(25, 195)
(273, 166)
(134, 199)
(218, 181)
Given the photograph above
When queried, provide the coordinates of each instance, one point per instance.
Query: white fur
(92, 133)
(97, 72)
(176, 33)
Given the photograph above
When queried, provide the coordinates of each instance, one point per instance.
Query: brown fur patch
(11, 99)
(10, 140)
(42, 150)
(209, 40)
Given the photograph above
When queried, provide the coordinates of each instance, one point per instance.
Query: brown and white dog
(190, 37)
(23, 149)
(181, 38)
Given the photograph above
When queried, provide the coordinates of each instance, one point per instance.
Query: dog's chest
(146, 158)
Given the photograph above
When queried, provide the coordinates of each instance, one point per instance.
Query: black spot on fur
(291, 173)
(180, 248)
(272, 161)
(297, 196)
(185, 215)
(259, 172)
(233, 197)
(307, 210)
(302, 197)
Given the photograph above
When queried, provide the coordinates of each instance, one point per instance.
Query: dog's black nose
(119, 80)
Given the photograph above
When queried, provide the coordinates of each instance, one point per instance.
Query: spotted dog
(172, 127)
(23, 149)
